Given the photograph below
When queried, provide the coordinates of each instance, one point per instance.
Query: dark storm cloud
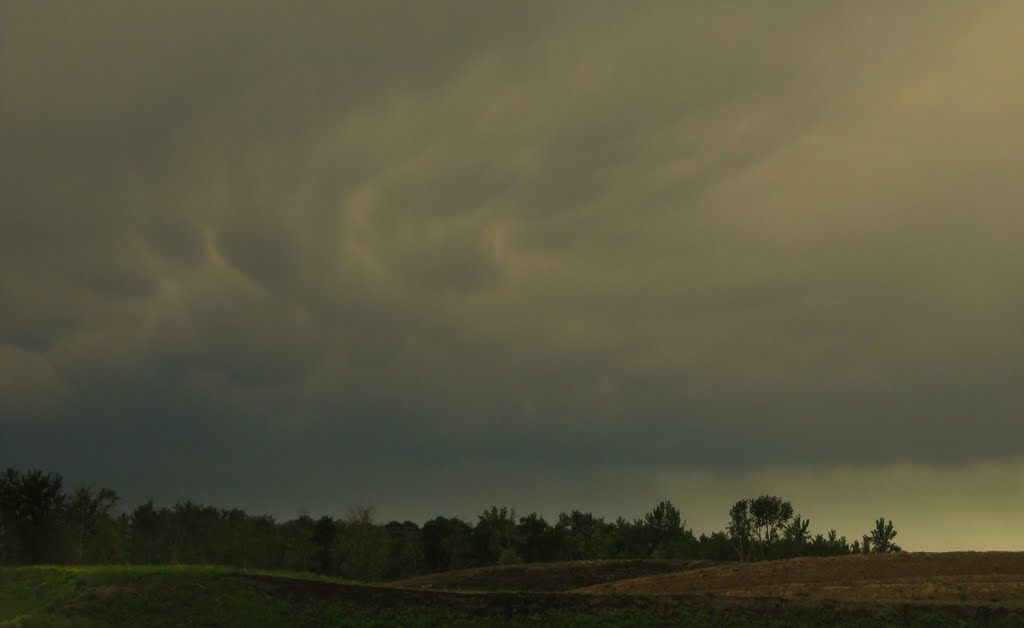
(278, 245)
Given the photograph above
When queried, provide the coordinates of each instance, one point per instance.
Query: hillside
(731, 595)
(952, 577)
(556, 576)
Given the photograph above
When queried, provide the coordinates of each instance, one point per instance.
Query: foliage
(497, 537)
(881, 538)
(666, 533)
(447, 544)
(741, 528)
(538, 540)
(39, 523)
(764, 527)
(583, 535)
(32, 504)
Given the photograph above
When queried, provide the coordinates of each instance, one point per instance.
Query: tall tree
(629, 539)
(363, 545)
(447, 543)
(405, 550)
(584, 536)
(39, 501)
(795, 537)
(770, 516)
(667, 536)
(715, 547)
(496, 536)
(757, 528)
(882, 536)
(10, 481)
(150, 534)
(88, 510)
(38, 522)
(325, 531)
(741, 529)
(537, 540)
(299, 547)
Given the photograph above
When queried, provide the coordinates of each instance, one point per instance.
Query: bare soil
(959, 588)
(560, 576)
(905, 590)
(990, 578)
(486, 603)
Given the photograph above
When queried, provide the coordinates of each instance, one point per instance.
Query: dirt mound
(562, 576)
(957, 577)
(200, 596)
(386, 606)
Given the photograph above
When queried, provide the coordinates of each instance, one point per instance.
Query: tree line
(41, 523)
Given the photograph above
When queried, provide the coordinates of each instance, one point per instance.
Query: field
(548, 576)
(903, 589)
(949, 578)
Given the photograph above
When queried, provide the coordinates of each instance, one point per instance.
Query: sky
(438, 256)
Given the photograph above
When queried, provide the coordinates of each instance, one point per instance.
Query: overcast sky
(434, 256)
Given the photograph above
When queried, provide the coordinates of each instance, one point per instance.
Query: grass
(153, 595)
(55, 596)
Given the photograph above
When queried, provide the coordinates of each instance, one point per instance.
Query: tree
(37, 502)
(263, 546)
(833, 545)
(881, 538)
(663, 526)
(497, 537)
(584, 536)
(150, 536)
(363, 545)
(447, 543)
(715, 547)
(537, 539)
(667, 536)
(761, 527)
(9, 482)
(741, 529)
(88, 510)
(325, 530)
(39, 523)
(197, 531)
(299, 547)
(405, 544)
(629, 539)
(770, 514)
(795, 536)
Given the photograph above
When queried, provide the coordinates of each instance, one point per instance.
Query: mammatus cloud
(574, 238)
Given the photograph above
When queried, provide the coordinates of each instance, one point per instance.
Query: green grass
(155, 595)
(54, 596)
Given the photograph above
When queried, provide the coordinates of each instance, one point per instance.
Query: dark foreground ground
(559, 576)
(211, 596)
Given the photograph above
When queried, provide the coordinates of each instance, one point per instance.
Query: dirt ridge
(955, 577)
(552, 577)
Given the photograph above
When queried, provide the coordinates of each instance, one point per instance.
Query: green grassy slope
(141, 596)
(217, 596)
